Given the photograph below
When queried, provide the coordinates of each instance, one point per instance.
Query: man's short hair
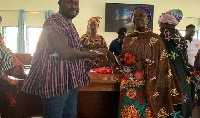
(190, 26)
(122, 30)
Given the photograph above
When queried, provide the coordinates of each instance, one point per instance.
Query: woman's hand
(138, 66)
(111, 57)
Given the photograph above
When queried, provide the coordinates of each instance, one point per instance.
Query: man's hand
(93, 55)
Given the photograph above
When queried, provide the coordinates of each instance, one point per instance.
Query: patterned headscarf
(171, 17)
(148, 12)
(95, 20)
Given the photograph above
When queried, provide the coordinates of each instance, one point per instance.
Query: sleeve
(7, 57)
(83, 39)
(45, 32)
(111, 48)
(84, 42)
(161, 86)
(103, 42)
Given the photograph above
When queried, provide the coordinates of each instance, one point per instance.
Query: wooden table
(101, 98)
(102, 82)
(98, 100)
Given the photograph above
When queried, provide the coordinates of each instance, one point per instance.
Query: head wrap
(171, 17)
(147, 11)
(95, 20)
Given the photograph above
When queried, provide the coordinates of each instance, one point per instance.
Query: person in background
(193, 48)
(92, 41)
(116, 45)
(177, 52)
(153, 93)
(9, 66)
(58, 67)
(193, 45)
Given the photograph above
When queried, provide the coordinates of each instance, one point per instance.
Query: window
(10, 37)
(196, 36)
(33, 34)
(9, 34)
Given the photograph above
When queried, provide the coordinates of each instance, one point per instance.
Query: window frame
(3, 34)
(26, 38)
(27, 34)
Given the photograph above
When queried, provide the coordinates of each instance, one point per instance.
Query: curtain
(21, 31)
(48, 13)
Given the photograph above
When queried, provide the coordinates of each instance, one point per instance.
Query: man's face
(121, 37)
(162, 26)
(190, 32)
(69, 8)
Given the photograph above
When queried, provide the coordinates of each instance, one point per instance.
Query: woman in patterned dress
(92, 41)
(153, 93)
(9, 66)
(176, 48)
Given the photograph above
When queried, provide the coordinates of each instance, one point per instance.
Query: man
(58, 65)
(192, 50)
(193, 44)
(116, 45)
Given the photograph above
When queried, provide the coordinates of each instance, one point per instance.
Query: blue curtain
(48, 13)
(21, 31)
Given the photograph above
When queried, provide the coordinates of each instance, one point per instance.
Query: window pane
(10, 37)
(183, 34)
(33, 34)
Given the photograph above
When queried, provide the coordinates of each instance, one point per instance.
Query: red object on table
(102, 70)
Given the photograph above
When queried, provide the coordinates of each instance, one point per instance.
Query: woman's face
(140, 18)
(163, 26)
(93, 26)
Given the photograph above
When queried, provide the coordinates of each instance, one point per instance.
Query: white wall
(90, 8)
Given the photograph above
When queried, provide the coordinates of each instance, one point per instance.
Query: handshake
(93, 54)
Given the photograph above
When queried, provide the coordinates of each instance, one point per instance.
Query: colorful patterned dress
(91, 44)
(154, 95)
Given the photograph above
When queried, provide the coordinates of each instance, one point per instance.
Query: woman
(176, 48)
(92, 41)
(153, 95)
(9, 66)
